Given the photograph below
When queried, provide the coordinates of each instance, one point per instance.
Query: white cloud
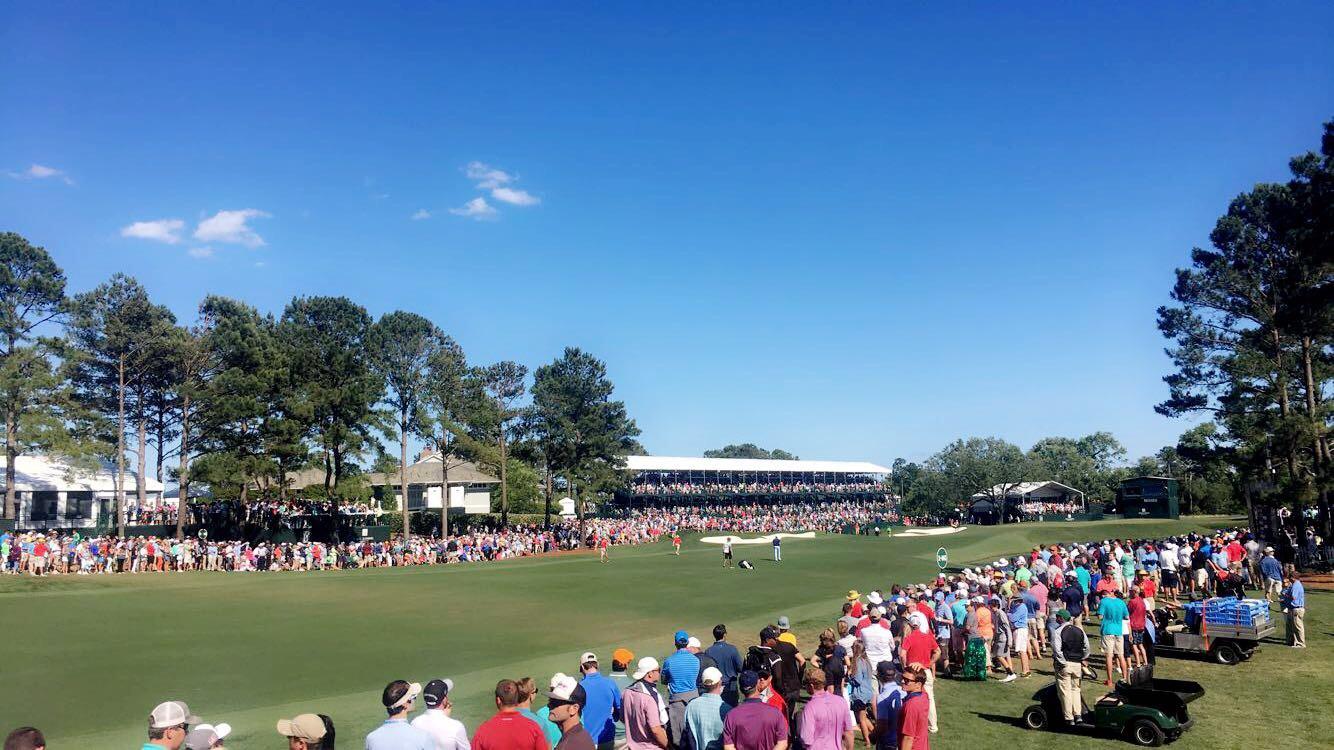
(515, 196)
(41, 172)
(486, 176)
(200, 252)
(260, 264)
(477, 208)
(421, 214)
(161, 230)
(231, 227)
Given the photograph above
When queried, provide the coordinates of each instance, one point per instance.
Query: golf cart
(1145, 710)
(1225, 630)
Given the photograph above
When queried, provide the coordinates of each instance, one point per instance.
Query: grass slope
(86, 658)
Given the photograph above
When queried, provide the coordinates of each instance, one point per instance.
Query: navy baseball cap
(748, 680)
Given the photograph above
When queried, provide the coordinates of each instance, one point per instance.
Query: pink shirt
(824, 720)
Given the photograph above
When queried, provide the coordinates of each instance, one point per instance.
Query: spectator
(1272, 571)
(508, 729)
(527, 689)
(1114, 614)
(728, 660)
(602, 697)
(888, 704)
(705, 715)
(565, 701)
(681, 673)
(644, 709)
(396, 733)
(754, 725)
(1069, 653)
(25, 738)
(305, 732)
(914, 729)
(621, 679)
(861, 690)
(826, 721)
(207, 736)
(169, 724)
(447, 732)
(1293, 602)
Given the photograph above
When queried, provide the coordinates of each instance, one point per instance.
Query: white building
(469, 486)
(52, 494)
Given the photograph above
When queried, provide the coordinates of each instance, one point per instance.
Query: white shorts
(1020, 640)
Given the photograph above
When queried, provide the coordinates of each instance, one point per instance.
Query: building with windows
(469, 486)
(671, 481)
(1149, 497)
(50, 493)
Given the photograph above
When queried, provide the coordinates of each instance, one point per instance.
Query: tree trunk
(1320, 461)
(11, 457)
(141, 490)
(183, 478)
(120, 450)
(504, 482)
(403, 469)
(160, 425)
(546, 520)
(579, 511)
(444, 486)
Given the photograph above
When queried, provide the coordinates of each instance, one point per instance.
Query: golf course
(86, 658)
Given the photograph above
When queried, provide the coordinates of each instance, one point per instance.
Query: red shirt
(509, 730)
(913, 723)
(1149, 587)
(925, 609)
(777, 702)
(919, 646)
(856, 609)
(1235, 551)
(1137, 612)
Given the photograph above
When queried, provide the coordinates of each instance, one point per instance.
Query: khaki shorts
(1113, 645)
(1020, 640)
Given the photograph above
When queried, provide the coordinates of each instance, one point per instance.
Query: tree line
(240, 400)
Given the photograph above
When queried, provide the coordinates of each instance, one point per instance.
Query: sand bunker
(757, 540)
(914, 531)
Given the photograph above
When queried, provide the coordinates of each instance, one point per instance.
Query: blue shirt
(681, 672)
(1295, 595)
(1019, 615)
(728, 659)
(398, 734)
(600, 709)
(704, 718)
(887, 706)
(1113, 612)
(1271, 568)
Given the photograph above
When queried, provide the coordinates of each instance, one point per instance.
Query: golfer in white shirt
(448, 732)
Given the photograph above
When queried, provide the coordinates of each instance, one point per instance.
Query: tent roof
(425, 471)
(680, 463)
(47, 473)
(1024, 488)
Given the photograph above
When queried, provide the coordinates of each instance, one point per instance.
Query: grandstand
(673, 481)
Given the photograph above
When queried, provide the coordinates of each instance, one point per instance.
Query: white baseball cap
(693, 642)
(222, 730)
(587, 657)
(646, 665)
(172, 714)
(711, 676)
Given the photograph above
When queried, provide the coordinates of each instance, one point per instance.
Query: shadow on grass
(1013, 721)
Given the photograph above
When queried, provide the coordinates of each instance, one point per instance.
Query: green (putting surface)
(86, 658)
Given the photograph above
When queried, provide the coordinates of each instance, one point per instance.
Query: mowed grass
(85, 659)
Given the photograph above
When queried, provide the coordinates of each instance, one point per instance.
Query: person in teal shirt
(1127, 570)
(529, 689)
(1082, 573)
(1114, 615)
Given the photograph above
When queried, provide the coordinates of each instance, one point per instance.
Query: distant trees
(748, 450)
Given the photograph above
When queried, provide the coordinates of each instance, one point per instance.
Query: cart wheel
(1035, 717)
(1146, 733)
(1227, 653)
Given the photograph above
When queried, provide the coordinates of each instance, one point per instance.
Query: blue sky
(852, 230)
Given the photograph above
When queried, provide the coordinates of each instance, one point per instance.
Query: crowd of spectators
(873, 675)
(768, 518)
(754, 488)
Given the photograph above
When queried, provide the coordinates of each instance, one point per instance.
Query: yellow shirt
(788, 637)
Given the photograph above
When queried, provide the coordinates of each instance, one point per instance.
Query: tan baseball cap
(308, 727)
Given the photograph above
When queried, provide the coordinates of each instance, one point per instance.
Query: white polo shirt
(448, 732)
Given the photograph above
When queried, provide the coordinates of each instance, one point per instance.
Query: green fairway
(85, 659)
